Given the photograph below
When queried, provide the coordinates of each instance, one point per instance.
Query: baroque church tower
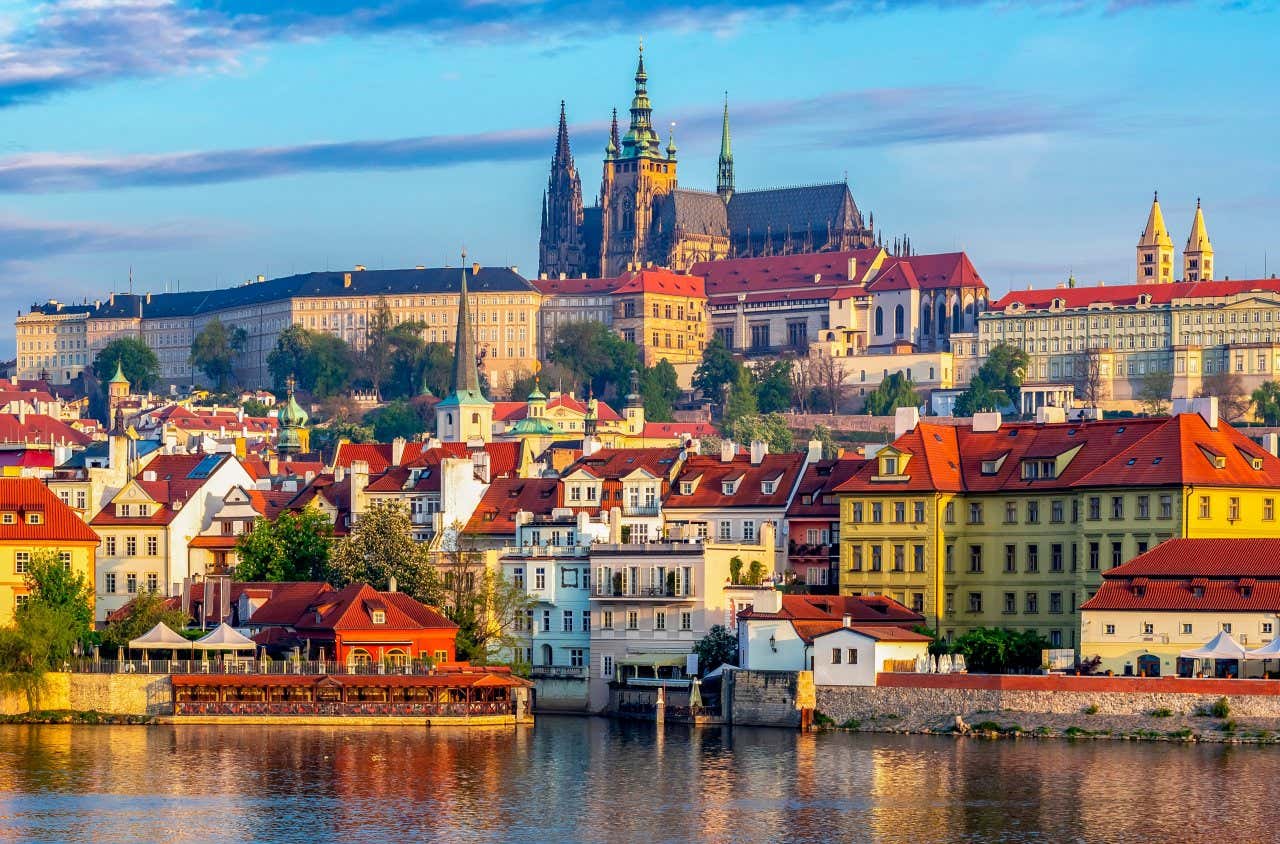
(636, 175)
(561, 248)
(1155, 249)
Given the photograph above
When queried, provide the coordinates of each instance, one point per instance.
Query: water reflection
(594, 781)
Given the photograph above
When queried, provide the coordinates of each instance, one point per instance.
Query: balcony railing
(640, 510)
(560, 672)
(652, 592)
(243, 666)
(455, 710)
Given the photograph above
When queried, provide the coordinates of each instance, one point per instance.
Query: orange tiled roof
(58, 522)
(710, 474)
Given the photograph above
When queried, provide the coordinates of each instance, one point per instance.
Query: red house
(360, 626)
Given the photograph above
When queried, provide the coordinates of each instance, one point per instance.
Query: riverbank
(71, 716)
(1005, 724)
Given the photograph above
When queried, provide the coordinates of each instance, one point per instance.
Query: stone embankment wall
(963, 694)
(118, 694)
(768, 698)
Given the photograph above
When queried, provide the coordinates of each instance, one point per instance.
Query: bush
(1228, 726)
(1162, 712)
(1220, 708)
(821, 719)
(852, 724)
(1091, 709)
(996, 650)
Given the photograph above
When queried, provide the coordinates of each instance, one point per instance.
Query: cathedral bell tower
(1155, 249)
(636, 173)
(1197, 258)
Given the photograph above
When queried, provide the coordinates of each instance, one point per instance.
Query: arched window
(448, 419)
(942, 317)
(475, 419)
(879, 321)
(899, 321)
(955, 318)
(926, 319)
(359, 658)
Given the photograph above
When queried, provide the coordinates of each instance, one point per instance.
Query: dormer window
(379, 617)
(686, 488)
(1034, 470)
(34, 518)
(9, 518)
(124, 511)
(889, 465)
(766, 487)
(144, 510)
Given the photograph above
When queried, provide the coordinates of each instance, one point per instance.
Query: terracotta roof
(665, 282)
(887, 634)
(927, 272)
(286, 603)
(673, 430)
(1225, 557)
(819, 482)
(496, 512)
(808, 630)
(793, 274)
(863, 610)
(1186, 596)
(58, 522)
(377, 455)
(177, 478)
(618, 463)
(39, 428)
(1128, 294)
(512, 411)
(710, 473)
(352, 608)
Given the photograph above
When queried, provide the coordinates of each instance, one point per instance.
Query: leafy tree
(1087, 377)
(719, 647)
(596, 356)
(771, 429)
(378, 349)
(996, 650)
(1154, 391)
(718, 367)
(140, 364)
(52, 584)
(735, 569)
(322, 363)
(294, 547)
(830, 448)
(980, 398)
(1228, 389)
(486, 607)
(215, 348)
(894, 392)
(146, 610)
(660, 389)
(773, 385)
(1266, 403)
(42, 637)
(1004, 369)
(396, 419)
(381, 546)
(756, 573)
(253, 407)
(742, 397)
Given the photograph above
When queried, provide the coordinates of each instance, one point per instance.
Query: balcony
(558, 672)
(646, 549)
(609, 591)
(641, 510)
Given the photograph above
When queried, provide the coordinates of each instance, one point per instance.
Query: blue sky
(204, 143)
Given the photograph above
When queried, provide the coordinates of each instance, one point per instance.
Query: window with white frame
(21, 562)
(748, 530)
(660, 620)
(686, 621)
(109, 583)
(726, 531)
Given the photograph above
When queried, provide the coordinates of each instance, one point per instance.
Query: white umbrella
(1221, 646)
(1271, 650)
(944, 664)
(957, 663)
(160, 637)
(225, 638)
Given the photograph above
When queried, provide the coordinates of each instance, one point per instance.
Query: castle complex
(644, 217)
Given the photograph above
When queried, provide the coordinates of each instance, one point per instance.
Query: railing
(564, 672)
(247, 666)
(640, 510)
(457, 710)
(608, 591)
(693, 546)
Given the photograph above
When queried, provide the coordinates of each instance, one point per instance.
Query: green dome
(292, 415)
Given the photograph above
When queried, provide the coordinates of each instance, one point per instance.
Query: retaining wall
(118, 694)
(943, 696)
(768, 698)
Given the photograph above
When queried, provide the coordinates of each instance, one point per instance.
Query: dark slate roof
(798, 207)
(326, 284)
(694, 212)
(60, 308)
(102, 450)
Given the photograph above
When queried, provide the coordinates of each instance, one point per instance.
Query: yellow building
(34, 520)
(1179, 596)
(1012, 525)
(1155, 248)
(664, 313)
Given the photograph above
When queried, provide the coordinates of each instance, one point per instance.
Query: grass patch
(1220, 708)
(821, 719)
(1184, 733)
(1228, 726)
(1091, 709)
(1162, 712)
(851, 724)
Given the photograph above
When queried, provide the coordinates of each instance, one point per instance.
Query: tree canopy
(596, 356)
(742, 397)
(136, 359)
(488, 608)
(322, 363)
(770, 428)
(294, 547)
(1266, 403)
(996, 384)
(145, 611)
(1154, 391)
(395, 419)
(380, 546)
(894, 392)
(719, 647)
(1228, 389)
(52, 583)
(773, 385)
(660, 390)
(215, 349)
(718, 367)
(997, 650)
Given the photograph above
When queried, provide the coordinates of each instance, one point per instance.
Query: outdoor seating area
(1224, 657)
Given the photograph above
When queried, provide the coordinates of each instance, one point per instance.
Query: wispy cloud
(23, 240)
(68, 44)
(881, 117)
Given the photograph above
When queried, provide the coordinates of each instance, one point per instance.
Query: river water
(592, 780)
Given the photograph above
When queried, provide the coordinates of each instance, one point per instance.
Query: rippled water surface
(593, 780)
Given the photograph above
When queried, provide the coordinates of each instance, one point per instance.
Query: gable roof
(1254, 557)
(58, 522)
(803, 208)
(711, 472)
(352, 608)
(665, 282)
(39, 429)
(927, 272)
(617, 463)
(819, 481)
(496, 512)
(780, 275)
(170, 480)
(286, 602)
(692, 212)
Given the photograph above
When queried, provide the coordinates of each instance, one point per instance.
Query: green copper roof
(119, 378)
(539, 427)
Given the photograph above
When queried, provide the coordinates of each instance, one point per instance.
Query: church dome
(292, 415)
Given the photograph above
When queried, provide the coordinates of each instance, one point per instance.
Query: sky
(194, 145)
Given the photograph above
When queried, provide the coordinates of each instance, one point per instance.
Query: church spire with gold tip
(1197, 258)
(640, 139)
(1155, 248)
(724, 170)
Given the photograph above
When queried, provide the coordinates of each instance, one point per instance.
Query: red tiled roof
(665, 282)
(818, 482)
(39, 428)
(172, 485)
(1224, 557)
(352, 608)
(286, 603)
(513, 411)
(1128, 294)
(58, 522)
(726, 278)
(890, 634)
(617, 463)
(814, 615)
(1184, 596)
(927, 272)
(377, 455)
(496, 512)
(672, 430)
(710, 472)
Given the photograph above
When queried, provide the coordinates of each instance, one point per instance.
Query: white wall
(871, 657)
(755, 653)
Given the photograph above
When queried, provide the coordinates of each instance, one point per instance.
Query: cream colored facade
(1123, 637)
(52, 341)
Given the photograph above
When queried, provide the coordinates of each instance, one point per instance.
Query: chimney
(853, 268)
(1050, 415)
(727, 449)
(391, 583)
(562, 276)
(986, 423)
(359, 481)
(1271, 442)
(273, 466)
(475, 268)
(814, 452)
(590, 445)
(480, 463)
(759, 448)
(339, 474)
(397, 450)
(905, 420)
(846, 620)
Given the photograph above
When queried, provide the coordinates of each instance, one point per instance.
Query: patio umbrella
(695, 694)
(1221, 646)
(160, 637)
(225, 638)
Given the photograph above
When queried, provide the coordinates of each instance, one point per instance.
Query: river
(593, 780)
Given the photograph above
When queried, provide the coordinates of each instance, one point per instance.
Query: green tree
(1004, 369)
(1228, 388)
(145, 611)
(51, 583)
(756, 573)
(735, 569)
(996, 650)
(718, 367)
(322, 363)
(294, 547)
(830, 448)
(742, 397)
(140, 364)
(381, 546)
(375, 359)
(774, 385)
(894, 392)
(396, 419)
(1155, 390)
(660, 389)
(598, 357)
(719, 647)
(1266, 403)
(771, 428)
(979, 398)
(215, 349)
(487, 607)
(253, 407)
(41, 638)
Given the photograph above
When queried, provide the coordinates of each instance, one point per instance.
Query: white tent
(160, 637)
(225, 638)
(1271, 650)
(1221, 646)
(718, 670)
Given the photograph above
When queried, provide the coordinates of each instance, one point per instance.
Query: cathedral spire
(466, 375)
(724, 174)
(1197, 258)
(640, 137)
(611, 148)
(1155, 248)
(563, 156)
